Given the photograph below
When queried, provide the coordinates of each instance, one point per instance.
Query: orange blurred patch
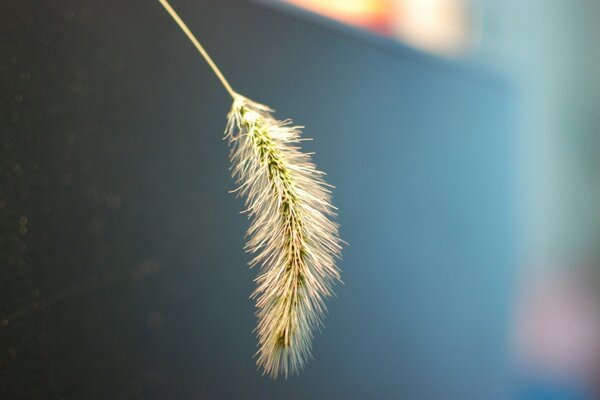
(374, 15)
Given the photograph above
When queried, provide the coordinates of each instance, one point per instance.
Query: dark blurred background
(460, 136)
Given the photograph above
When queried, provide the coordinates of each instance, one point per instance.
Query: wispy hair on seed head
(291, 234)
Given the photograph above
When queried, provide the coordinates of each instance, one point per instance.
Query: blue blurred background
(461, 139)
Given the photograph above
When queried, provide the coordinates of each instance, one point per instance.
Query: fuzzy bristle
(291, 235)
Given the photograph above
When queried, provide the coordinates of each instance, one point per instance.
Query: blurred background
(549, 52)
(473, 221)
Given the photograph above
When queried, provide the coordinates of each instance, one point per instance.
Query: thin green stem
(200, 48)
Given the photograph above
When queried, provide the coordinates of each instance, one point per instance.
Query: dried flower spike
(291, 234)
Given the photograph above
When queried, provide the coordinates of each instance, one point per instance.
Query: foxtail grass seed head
(292, 236)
